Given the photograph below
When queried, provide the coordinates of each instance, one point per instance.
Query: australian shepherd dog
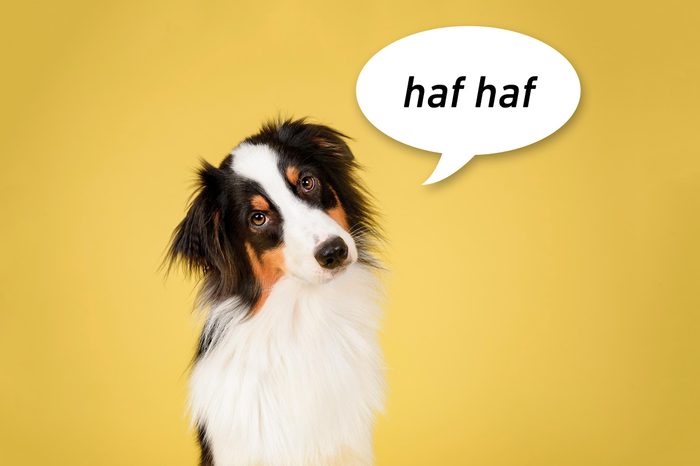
(288, 370)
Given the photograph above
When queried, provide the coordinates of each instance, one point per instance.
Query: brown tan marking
(258, 202)
(292, 174)
(268, 268)
(326, 144)
(338, 214)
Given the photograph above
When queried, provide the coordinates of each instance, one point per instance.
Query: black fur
(205, 457)
(208, 241)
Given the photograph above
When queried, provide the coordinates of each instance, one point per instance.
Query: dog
(288, 369)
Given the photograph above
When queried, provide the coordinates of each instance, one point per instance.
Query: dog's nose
(331, 253)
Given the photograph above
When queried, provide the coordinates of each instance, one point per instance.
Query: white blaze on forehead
(260, 164)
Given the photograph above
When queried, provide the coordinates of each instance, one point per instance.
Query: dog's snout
(331, 253)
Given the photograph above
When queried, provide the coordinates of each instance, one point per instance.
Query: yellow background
(543, 305)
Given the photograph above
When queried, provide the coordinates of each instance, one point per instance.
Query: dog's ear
(199, 241)
(332, 142)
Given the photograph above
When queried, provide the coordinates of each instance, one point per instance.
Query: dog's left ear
(199, 241)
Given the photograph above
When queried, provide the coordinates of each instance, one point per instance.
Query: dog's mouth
(328, 275)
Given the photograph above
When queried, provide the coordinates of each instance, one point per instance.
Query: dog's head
(285, 202)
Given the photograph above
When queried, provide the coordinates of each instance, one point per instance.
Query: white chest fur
(297, 384)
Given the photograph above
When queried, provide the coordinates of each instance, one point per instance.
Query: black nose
(331, 253)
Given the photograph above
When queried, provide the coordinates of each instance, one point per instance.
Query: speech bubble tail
(449, 164)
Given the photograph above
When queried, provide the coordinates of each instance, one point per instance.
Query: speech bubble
(461, 126)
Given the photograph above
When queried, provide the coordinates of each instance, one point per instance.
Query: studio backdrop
(542, 306)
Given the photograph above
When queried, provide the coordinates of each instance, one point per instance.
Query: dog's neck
(297, 382)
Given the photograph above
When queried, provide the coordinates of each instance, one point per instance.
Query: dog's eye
(308, 183)
(258, 218)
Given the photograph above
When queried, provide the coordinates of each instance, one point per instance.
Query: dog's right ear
(198, 242)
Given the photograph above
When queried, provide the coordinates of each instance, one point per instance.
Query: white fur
(298, 383)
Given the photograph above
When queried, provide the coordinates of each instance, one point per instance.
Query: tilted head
(285, 202)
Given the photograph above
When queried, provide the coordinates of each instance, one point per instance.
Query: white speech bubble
(459, 132)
